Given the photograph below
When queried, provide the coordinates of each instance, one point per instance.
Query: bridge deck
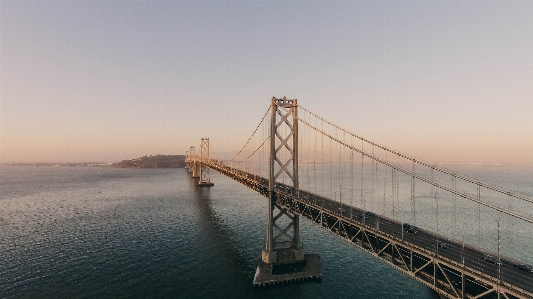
(458, 271)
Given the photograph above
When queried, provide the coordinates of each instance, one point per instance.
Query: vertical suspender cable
(435, 246)
(510, 228)
(384, 184)
(362, 183)
(362, 174)
(373, 178)
(322, 157)
(479, 217)
(431, 196)
(393, 174)
(400, 210)
(413, 208)
(331, 166)
(305, 146)
(437, 218)
(351, 174)
(315, 183)
(454, 186)
(341, 174)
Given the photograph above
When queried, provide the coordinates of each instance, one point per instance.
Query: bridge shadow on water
(238, 279)
(236, 265)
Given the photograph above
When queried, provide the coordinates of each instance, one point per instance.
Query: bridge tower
(205, 179)
(195, 164)
(188, 159)
(283, 245)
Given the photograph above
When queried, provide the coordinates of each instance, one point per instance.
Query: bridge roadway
(473, 257)
(425, 239)
(415, 254)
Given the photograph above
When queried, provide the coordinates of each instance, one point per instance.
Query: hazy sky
(110, 80)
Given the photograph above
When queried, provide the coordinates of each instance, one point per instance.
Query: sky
(103, 81)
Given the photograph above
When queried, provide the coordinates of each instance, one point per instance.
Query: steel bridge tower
(283, 240)
(283, 245)
(188, 159)
(205, 179)
(195, 167)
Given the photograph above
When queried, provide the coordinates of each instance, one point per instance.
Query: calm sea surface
(78, 232)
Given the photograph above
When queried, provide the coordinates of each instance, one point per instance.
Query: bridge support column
(268, 256)
(205, 178)
(189, 160)
(189, 163)
(193, 165)
(283, 251)
(196, 169)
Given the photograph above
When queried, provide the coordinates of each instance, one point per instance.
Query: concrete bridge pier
(196, 170)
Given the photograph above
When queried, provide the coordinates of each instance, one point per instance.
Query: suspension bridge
(457, 235)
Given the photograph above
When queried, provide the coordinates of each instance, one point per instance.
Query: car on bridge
(410, 229)
(366, 215)
(440, 244)
(524, 267)
(489, 258)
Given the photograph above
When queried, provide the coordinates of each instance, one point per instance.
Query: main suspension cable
(264, 116)
(418, 176)
(430, 165)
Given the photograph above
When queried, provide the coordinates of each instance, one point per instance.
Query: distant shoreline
(157, 161)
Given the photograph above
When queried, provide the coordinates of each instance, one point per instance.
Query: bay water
(101, 232)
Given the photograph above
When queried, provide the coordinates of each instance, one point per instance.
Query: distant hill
(157, 161)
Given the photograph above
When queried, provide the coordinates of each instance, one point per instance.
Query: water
(76, 232)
